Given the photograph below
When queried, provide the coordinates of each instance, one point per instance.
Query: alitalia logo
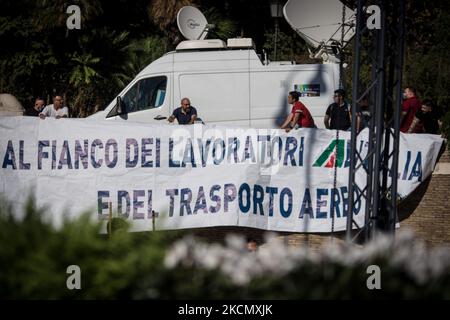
(328, 157)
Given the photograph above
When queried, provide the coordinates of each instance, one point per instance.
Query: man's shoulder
(47, 108)
(411, 102)
(416, 102)
(177, 110)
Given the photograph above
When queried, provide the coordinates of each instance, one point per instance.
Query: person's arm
(358, 121)
(193, 117)
(413, 125)
(43, 113)
(405, 108)
(173, 116)
(296, 117)
(326, 121)
(402, 116)
(65, 113)
(287, 122)
(350, 114)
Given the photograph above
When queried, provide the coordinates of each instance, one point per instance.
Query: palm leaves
(164, 12)
(83, 72)
(224, 28)
(142, 52)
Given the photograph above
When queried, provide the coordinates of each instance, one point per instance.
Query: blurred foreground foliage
(34, 257)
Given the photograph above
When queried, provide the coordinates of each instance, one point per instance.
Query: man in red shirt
(410, 106)
(299, 115)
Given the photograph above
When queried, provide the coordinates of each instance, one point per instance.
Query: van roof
(217, 59)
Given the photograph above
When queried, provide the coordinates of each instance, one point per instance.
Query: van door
(145, 101)
(220, 97)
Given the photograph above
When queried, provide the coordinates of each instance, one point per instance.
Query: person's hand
(41, 115)
(58, 117)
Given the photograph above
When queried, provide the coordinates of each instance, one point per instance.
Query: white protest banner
(193, 176)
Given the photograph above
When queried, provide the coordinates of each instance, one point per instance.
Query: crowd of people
(416, 116)
(55, 110)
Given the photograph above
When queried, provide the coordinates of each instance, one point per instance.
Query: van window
(146, 94)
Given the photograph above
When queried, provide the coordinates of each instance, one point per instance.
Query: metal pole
(355, 93)
(382, 51)
(379, 120)
(397, 110)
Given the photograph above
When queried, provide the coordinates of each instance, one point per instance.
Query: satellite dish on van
(319, 23)
(192, 23)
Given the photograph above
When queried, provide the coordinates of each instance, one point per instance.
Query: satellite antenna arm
(208, 27)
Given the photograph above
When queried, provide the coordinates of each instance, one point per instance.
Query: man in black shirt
(36, 109)
(426, 117)
(186, 114)
(337, 115)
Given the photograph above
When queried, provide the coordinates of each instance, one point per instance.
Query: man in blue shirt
(186, 114)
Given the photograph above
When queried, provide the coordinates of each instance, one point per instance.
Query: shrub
(34, 257)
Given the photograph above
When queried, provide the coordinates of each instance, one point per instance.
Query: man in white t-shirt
(55, 110)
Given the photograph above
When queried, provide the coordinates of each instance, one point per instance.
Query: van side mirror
(119, 105)
(199, 120)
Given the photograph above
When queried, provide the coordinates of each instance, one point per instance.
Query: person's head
(57, 101)
(409, 92)
(339, 95)
(252, 245)
(38, 103)
(185, 103)
(293, 97)
(364, 101)
(427, 105)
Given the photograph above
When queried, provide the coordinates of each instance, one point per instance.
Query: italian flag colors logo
(328, 157)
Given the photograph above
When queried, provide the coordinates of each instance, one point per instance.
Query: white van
(227, 84)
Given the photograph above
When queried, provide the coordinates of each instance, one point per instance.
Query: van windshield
(145, 94)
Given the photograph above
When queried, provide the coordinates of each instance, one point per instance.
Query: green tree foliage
(427, 63)
(42, 57)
